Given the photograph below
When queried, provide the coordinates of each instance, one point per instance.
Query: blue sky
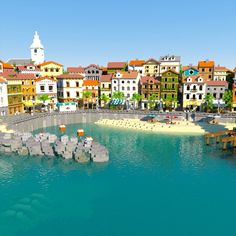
(76, 32)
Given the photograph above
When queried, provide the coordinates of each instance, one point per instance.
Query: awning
(117, 102)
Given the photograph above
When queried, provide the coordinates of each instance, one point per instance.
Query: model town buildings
(165, 82)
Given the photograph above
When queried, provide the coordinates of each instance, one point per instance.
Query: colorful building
(217, 89)
(206, 69)
(170, 63)
(113, 67)
(105, 85)
(3, 97)
(137, 65)
(76, 70)
(149, 86)
(194, 90)
(29, 69)
(151, 68)
(14, 92)
(90, 93)
(126, 82)
(93, 72)
(170, 88)
(190, 70)
(70, 87)
(46, 86)
(51, 69)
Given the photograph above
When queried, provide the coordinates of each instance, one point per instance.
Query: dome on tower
(36, 42)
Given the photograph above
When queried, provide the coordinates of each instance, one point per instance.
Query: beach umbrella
(80, 132)
(62, 128)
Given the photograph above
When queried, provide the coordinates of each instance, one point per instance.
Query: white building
(48, 86)
(194, 91)
(30, 69)
(126, 82)
(220, 73)
(69, 87)
(137, 65)
(170, 63)
(37, 50)
(3, 97)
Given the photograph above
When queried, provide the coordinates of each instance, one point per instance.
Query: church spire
(36, 42)
(37, 50)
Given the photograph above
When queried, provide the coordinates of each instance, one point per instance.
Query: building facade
(137, 65)
(170, 63)
(206, 69)
(46, 86)
(93, 72)
(37, 50)
(217, 89)
(151, 68)
(3, 97)
(51, 69)
(90, 87)
(126, 82)
(105, 85)
(220, 73)
(170, 88)
(29, 69)
(194, 90)
(149, 86)
(190, 71)
(113, 67)
(70, 87)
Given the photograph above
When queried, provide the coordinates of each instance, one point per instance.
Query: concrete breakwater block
(49, 145)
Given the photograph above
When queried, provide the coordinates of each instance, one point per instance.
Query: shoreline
(180, 127)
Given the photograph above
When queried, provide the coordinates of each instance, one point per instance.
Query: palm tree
(104, 98)
(136, 98)
(118, 95)
(86, 96)
(44, 98)
(152, 100)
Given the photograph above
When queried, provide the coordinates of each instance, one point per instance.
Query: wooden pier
(225, 137)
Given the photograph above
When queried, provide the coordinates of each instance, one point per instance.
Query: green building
(170, 88)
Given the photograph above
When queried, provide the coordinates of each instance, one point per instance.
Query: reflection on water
(150, 181)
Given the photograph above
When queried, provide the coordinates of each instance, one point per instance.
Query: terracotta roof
(106, 78)
(16, 76)
(184, 68)
(24, 68)
(136, 62)
(43, 78)
(206, 64)
(170, 71)
(221, 69)
(70, 76)
(216, 83)
(7, 66)
(90, 83)
(49, 62)
(79, 69)
(145, 79)
(116, 65)
(194, 79)
(152, 59)
(127, 75)
(93, 65)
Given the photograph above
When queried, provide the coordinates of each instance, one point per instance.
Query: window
(46, 69)
(166, 79)
(77, 94)
(32, 82)
(115, 88)
(188, 87)
(23, 82)
(122, 81)
(128, 95)
(57, 70)
(109, 86)
(114, 81)
(210, 69)
(214, 94)
(173, 86)
(203, 70)
(194, 96)
(187, 96)
(200, 88)
(42, 88)
(123, 88)
(165, 96)
(134, 81)
(209, 76)
(128, 82)
(50, 88)
(194, 88)
(51, 69)
(97, 72)
(134, 88)
(191, 72)
(221, 95)
(67, 84)
(35, 50)
(77, 84)
(103, 85)
(165, 86)
(200, 96)
(173, 79)
(128, 88)
(68, 94)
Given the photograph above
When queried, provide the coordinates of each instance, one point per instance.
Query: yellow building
(151, 68)
(51, 69)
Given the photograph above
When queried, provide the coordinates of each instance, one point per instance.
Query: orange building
(90, 93)
(206, 69)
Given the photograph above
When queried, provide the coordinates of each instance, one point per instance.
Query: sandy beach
(178, 126)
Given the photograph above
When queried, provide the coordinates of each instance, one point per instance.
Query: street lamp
(218, 104)
(161, 105)
(33, 103)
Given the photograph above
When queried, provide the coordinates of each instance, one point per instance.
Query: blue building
(190, 70)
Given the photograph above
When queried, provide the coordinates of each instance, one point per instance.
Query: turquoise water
(153, 185)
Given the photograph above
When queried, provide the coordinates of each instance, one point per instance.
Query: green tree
(152, 100)
(86, 96)
(104, 98)
(227, 97)
(44, 98)
(209, 98)
(118, 95)
(136, 98)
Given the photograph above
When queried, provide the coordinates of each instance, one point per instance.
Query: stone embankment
(49, 145)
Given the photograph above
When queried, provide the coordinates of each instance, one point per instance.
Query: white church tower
(37, 50)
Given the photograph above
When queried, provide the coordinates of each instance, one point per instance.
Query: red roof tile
(7, 66)
(106, 78)
(127, 75)
(70, 76)
(217, 83)
(184, 68)
(93, 65)
(78, 70)
(49, 62)
(136, 62)
(152, 59)
(43, 78)
(194, 79)
(145, 79)
(90, 83)
(206, 64)
(116, 65)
